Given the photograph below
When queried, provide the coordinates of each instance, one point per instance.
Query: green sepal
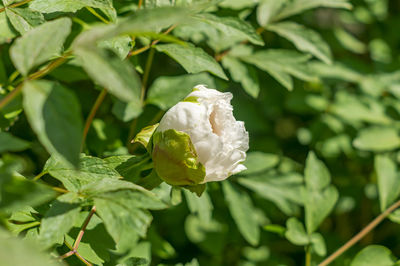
(198, 189)
(175, 159)
(144, 137)
(191, 99)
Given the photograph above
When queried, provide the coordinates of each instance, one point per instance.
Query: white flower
(220, 141)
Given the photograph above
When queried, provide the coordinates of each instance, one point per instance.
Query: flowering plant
(199, 140)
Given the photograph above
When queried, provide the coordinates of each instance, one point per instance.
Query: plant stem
(56, 63)
(78, 239)
(61, 190)
(15, 5)
(14, 93)
(82, 259)
(146, 75)
(82, 231)
(308, 256)
(39, 175)
(140, 4)
(97, 15)
(147, 47)
(66, 255)
(361, 234)
(40, 73)
(92, 114)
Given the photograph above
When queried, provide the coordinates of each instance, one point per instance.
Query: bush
(316, 83)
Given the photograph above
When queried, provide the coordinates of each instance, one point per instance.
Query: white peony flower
(220, 142)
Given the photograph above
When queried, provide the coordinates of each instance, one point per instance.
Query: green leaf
(15, 251)
(316, 174)
(267, 9)
(142, 23)
(126, 111)
(377, 139)
(283, 190)
(50, 6)
(296, 233)
(335, 71)
(6, 30)
(233, 27)
(374, 255)
(123, 211)
(150, 181)
(17, 192)
(299, 6)
(193, 59)
(40, 44)
(349, 42)
(59, 219)
(318, 244)
(118, 77)
(319, 197)
(257, 162)
(130, 167)
(388, 180)
(201, 206)
(304, 39)
(158, 3)
(91, 169)
(167, 91)
(237, 4)
(242, 211)
(280, 64)
(120, 45)
(318, 204)
(10, 143)
(55, 116)
(24, 19)
(144, 137)
(245, 75)
(354, 109)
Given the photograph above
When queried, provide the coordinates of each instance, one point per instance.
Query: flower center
(214, 125)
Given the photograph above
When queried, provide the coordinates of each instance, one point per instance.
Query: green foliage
(374, 255)
(192, 59)
(29, 50)
(316, 83)
(46, 104)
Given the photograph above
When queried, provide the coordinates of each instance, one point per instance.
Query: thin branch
(146, 74)
(61, 190)
(15, 5)
(74, 248)
(147, 47)
(361, 234)
(140, 4)
(92, 114)
(82, 259)
(56, 63)
(82, 231)
(39, 175)
(66, 255)
(97, 15)
(40, 73)
(14, 93)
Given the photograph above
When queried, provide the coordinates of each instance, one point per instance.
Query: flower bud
(198, 140)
